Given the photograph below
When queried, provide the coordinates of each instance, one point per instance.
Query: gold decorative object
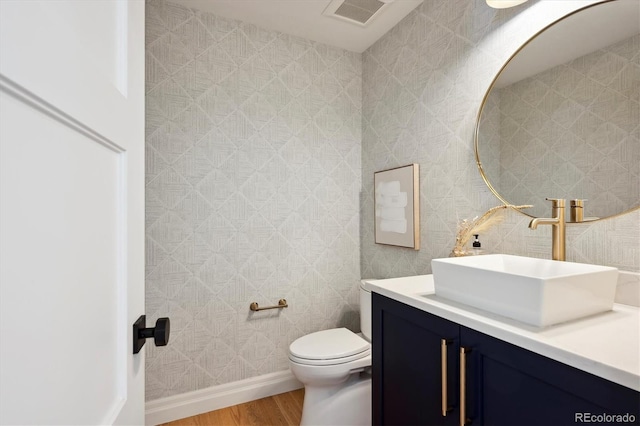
(477, 225)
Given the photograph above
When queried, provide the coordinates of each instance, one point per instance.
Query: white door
(71, 211)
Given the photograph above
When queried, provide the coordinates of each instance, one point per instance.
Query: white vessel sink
(535, 291)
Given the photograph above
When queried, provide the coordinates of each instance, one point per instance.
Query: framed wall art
(397, 206)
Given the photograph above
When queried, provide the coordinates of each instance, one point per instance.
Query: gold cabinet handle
(463, 385)
(443, 365)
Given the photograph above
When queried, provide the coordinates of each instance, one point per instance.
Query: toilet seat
(335, 361)
(329, 347)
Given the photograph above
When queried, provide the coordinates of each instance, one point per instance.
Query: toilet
(334, 366)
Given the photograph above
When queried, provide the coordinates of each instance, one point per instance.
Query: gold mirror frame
(484, 101)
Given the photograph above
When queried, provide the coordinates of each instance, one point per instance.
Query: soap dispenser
(477, 246)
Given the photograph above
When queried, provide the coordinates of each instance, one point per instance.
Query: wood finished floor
(277, 410)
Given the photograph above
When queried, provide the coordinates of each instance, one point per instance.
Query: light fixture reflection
(503, 4)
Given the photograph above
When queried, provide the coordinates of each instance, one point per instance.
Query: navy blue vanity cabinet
(508, 385)
(504, 384)
(407, 368)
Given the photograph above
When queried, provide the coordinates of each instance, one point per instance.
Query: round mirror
(562, 117)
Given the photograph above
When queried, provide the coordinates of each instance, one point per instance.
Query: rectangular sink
(539, 292)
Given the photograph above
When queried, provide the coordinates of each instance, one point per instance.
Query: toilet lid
(328, 344)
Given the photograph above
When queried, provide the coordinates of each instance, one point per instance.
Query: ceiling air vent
(355, 11)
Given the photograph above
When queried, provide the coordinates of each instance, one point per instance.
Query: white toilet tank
(365, 310)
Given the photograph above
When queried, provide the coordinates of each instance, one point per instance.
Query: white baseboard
(201, 401)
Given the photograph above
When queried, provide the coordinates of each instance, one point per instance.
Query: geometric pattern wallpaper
(423, 84)
(261, 150)
(572, 131)
(253, 179)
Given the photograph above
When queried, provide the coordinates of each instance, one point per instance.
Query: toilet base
(348, 403)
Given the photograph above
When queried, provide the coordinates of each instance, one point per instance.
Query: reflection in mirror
(562, 119)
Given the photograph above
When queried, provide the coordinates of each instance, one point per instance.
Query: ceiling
(304, 18)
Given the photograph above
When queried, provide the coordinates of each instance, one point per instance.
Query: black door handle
(160, 333)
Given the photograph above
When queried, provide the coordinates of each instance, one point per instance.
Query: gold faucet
(557, 231)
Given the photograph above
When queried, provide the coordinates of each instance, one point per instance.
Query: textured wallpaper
(571, 132)
(423, 83)
(261, 150)
(253, 145)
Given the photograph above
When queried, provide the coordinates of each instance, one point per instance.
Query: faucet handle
(577, 210)
(556, 202)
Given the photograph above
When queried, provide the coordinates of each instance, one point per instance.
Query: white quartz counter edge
(606, 345)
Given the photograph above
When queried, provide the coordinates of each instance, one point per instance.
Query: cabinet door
(407, 365)
(508, 385)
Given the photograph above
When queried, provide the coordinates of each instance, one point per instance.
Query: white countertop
(606, 345)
